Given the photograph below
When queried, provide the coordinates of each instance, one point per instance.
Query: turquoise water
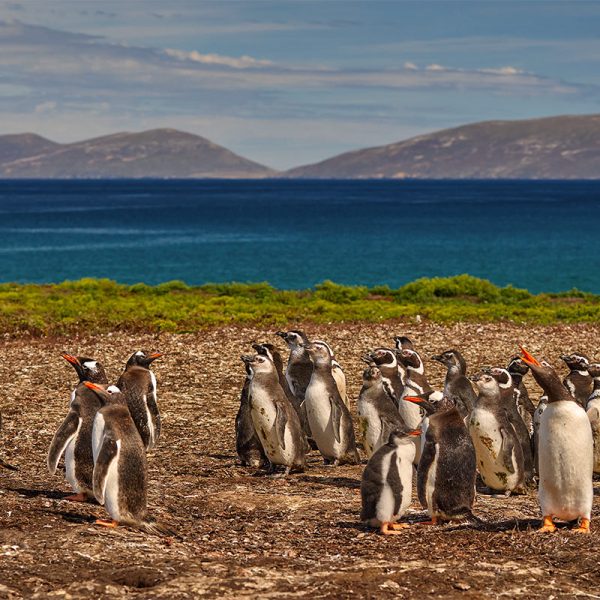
(293, 234)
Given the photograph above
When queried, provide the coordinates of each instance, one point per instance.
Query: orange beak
(156, 355)
(528, 358)
(414, 399)
(415, 432)
(93, 386)
(72, 359)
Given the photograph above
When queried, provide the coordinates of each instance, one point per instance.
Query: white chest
(97, 435)
(111, 490)
(318, 412)
(370, 427)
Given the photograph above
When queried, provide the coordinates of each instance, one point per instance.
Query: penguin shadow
(341, 482)
(70, 517)
(29, 493)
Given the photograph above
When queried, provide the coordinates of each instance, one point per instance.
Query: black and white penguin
(275, 420)
(456, 385)
(402, 343)
(3, 463)
(386, 485)
(566, 453)
(138, 384)
(329, 418)
(498, 450)
(537, 419)
(593, 412)
(391, 376)
(377, 413)
(299, 367)
(247, 445)
(74, 436)
(447, 469)
(579, 382)
(518, 369)
(338, 374)
(508, 400)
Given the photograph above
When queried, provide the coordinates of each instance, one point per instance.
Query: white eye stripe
(113, 389)
(91, 365)
(139, 353)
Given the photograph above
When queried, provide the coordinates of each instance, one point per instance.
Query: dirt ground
(242, 534)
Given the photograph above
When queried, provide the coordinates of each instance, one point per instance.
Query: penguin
(74, 436)
(391, 376)
(402, 343)
(338, 374)
(508, 399)
(120, 477)
(579, 382)
(447, 469)
(593, 412)
(537, 419)
(299, 366)
(518, 369)
(247, 445)
(275, 421)
(566, 453)
(3, 463)
(138, 384)
(456, 385)
(498, 450)
(386, 484)
(377, 412)
(329, 418)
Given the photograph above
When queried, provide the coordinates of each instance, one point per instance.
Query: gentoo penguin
(518, 369)
(566, 453)
(377, 412)
(593, 412)
(387, 362)
(579, 382)
(2, 462)
(138, 384)
(537, 419)
(299, 366)
(120, 478)
(74, 436)
(275, 421)
(498, 450)
(338, 374)
(457, 386)
(329, 418)
(447, 469)
(386, 485)
(507, 394)
(247, 445)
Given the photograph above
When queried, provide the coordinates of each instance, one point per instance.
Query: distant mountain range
(565, 147)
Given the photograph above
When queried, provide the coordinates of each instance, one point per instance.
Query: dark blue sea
(544, 236)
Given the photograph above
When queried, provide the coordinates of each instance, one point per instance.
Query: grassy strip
(95, 306)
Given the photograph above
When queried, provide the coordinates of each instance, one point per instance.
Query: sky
(287, 83)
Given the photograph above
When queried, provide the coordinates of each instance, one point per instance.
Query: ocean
(540, 235)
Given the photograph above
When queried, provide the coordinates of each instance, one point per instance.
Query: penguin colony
(484, 426)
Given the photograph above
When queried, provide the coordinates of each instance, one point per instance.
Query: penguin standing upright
(299, 366)
(391, 376)
(275, 420)
(518, 369)
(579, 382)
(456, 385)
(566, 453)
(329, 418)
(447, 469)
(74, 436)
(498, 450)
(138, 384)
(593, 412)
(386, 485)
(537, 419)
(338, 374)
(378, 414)
(402, 343)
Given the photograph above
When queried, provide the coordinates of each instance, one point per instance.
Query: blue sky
(289, 83)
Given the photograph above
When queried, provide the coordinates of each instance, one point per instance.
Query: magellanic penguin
(508, 399)
(247, 445)
(138, 384)
(402, 343)
(329, 418)
(566, 453)
(3, 463)
(391, 376)
(377, 413)
(74, 436)
(275, 420)
(498, 450)
(579, 382)
(518, 369)
(299, 367)
(447, 469)
(593, 412)
(456, 385)
(386, 485)
(338, 374)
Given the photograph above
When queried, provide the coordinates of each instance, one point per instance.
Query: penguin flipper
(395, 483)
(280, 423)
(389, 391)
(507, 450)
(66, 432)
(336, 419)
(109, 450)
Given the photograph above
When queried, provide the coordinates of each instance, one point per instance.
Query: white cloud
(435, 67)
(45, 107)
(410, 66)
(242, 62)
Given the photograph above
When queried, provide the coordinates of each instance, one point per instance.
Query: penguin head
(410, 359)
(547, 378)
(257, 363)
(108, 394)
(453, 360)
(486, 384)
(502, 376)
(383, 356)
(326, 346)
(516, 365)
(576, 362)
(319, 354)
(403, 342)
(87, 369)
(423, 401)
(371, 375)
(294, 339)
(594, 370)
(142, 358)
(401, 436)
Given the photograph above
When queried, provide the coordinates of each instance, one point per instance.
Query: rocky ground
(242, 534)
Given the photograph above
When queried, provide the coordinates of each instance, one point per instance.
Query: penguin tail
(159, 528)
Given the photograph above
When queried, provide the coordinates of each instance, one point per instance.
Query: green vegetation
(95, 306)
